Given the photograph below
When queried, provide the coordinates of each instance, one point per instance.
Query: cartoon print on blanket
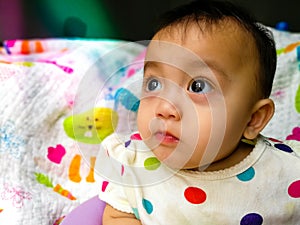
(45, 180)
(288, 48)
(71, 166)
(91, 126)
(10, 141)
(16, 194)
(27, 47)
(295, 134)
(55, 154)
(127, 99)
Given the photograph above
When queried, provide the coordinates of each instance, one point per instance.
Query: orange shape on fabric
(39, 47)
(291, 47)
(74, 169)
(90, 178)
(63, 192)
(25, 49)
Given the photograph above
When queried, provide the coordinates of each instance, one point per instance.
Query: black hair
(213, 11)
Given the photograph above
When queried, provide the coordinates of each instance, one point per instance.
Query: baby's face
(198, 94)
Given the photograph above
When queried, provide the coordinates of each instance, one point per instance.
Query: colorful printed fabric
(264, 188)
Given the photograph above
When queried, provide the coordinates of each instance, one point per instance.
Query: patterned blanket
(44, 172)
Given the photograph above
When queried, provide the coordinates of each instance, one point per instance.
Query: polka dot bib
(264, 188)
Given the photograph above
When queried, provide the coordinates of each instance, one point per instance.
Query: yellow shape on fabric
(92, 126)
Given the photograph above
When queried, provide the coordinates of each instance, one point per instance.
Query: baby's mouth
(166, 137)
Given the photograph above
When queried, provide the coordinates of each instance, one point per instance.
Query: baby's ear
(262, 112)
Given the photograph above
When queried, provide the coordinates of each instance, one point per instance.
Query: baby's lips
(166, 137)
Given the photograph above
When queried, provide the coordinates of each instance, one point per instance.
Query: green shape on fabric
(43, 179)
(151, 163)
(136, 213)
(279, 51)
(297, 100)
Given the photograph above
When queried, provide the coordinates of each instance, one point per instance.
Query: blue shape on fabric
(252, 219)
(247, 174)
(147, 206)
(283, 147)
(127, 99)
(127, 143)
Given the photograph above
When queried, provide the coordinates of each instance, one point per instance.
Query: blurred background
(127, 20)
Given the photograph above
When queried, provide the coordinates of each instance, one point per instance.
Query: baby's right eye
(153, 84)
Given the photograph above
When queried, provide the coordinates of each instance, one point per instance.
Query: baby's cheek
(143, 124)
(140, 125)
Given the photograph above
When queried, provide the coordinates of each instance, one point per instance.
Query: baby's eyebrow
(205, 66)
(149, 64)
(212, 67)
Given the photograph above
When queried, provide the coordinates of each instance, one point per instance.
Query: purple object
(88, 213)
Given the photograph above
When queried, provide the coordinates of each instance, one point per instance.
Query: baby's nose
(167, 110)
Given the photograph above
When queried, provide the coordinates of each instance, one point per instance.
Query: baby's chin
(178, 164)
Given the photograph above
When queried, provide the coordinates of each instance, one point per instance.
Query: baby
(198, 156)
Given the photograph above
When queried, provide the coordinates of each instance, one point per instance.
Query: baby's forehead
(219, 31)
(227, 27)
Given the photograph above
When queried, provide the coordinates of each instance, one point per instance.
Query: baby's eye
(199, 86)
(153, 84)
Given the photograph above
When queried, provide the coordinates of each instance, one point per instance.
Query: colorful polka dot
(274, 140)
(147, 206)
(136, 213)
(252, 219)
(283, 147)
(104, 185)
(195, 195)
(247, 175)
(136, 136)
(122, 170)
(294, 189)
(151, 163)
(127, 143)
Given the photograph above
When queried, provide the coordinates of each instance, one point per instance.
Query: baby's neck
(240, 153)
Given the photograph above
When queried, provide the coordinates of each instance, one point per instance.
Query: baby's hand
(115, 217)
